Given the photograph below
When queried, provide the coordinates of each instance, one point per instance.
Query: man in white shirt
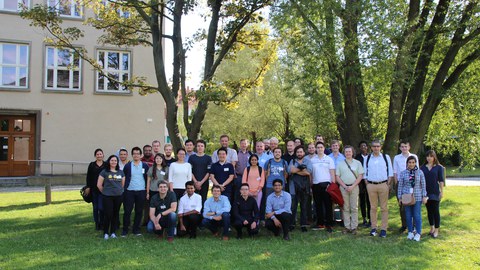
(399, 165)
(379, 174)
(232, 156)
(189, 211)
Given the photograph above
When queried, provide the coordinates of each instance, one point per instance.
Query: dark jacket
(93, 172)
(127, 170)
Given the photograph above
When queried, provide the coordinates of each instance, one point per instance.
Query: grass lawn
(61, 236)
(455, 172)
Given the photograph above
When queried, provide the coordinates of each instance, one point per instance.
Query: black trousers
(364, 200)
(433, 212)
(133, 199)
(203, 192)
(323, 204)
(284, 218)
(238, 225)
(300, 197)
(401, 210)
(191, 223)
(111, 208)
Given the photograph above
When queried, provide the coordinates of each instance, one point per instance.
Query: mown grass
(61, 236)
(462, 172)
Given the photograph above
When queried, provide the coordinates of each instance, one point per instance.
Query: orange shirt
(254, 180)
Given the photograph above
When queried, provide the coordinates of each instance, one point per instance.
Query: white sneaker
(113, 235)
(417, 237)
(410, 236)
(105, 236)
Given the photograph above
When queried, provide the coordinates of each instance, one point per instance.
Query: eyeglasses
(375, 145)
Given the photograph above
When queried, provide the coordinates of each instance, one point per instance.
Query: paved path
(469, 181)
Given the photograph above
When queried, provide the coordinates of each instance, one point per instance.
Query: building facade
(55, 107)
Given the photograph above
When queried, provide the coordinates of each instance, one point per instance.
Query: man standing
(216, 213)
(245, 212)
(243, 156)
(231, 153)
(188, 149)
(147, 155)
(156, 147)
(275, 168)
(363, 194)
(135, 193)
(319, 138)
(168, 149)
(310, 151)
(279, 214)
(323, 174)
(349, 174)
(189, 209)
(273, 144)
(263, 157)
(399, 165)
(290, 154)
(123, 158)
(222, 173)
(336, 155)
(266, 146)
(162, 212)
(379, 174)
(300, 170)
(200, 166)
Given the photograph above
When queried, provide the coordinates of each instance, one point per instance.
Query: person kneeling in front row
(278, 210)
(189, 209)
(162, 212)
(246, 213)
(216, 212)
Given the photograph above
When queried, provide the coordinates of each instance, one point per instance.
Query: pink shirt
(254, 180)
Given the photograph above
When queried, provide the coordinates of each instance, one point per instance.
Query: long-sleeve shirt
(93, 172)
(404, 186)
(376, 169)
(219, 207)
(189, 203)
(433, 178)
(245, 209)
(400, 162)
(279, 204)
(179, 174)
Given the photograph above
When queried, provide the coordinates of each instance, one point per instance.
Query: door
(17, 145)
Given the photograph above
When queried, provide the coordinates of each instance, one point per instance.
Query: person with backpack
(300, 170)
(379, 175)
(254, 176)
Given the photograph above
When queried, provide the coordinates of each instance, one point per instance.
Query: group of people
(262, 188)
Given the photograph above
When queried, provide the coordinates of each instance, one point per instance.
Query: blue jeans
(169, 222)
(97, 203)
(214, 225)
(414, 212)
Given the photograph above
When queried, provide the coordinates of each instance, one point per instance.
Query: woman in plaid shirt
(411, 181)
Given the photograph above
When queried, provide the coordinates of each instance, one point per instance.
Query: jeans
(301, 197)
(169, 222)
(97, 203)
(214, 225)
(133, 199)
(414, 212)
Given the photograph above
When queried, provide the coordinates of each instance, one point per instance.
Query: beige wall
(74, 124)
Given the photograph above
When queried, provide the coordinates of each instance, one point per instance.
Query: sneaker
(383, 233)
(170, 239)
(304, 229)
(137, 234)
(105, 236)
(410, 236)
(373, 232)
(345, 231)
(318, 227)
(417, 237)
(124, 234)
(354, 231)
(402, 229)
(113, 235)
(329, 229)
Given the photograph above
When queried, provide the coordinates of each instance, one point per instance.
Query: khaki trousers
(350, 208)
(378, 193)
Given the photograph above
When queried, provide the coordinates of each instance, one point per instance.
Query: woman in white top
(179, 173)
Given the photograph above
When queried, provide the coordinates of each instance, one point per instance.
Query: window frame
(17, 10)
(18, 66)
(109, 70)
(73, 5)
(56, 68)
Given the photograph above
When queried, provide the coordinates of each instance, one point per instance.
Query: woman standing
(254, 176)
(433, 172)
(179, 173)
(412, 181)
(110, 183)
(94, 169)
(158, 172)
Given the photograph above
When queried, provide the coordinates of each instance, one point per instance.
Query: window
(14, 65)
(13, 5)
(62, 70)
(66, 8)
(117, 65)
(121, 9)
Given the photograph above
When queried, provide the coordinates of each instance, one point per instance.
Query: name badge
(162, 172)
(280, 169)
(226, 169)
(411, 190)
(258, 178)
(162, 207)
(143, 171)
(209, 167)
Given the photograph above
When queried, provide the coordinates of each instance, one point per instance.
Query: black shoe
(304, 229)
(329, 230)
(291, 228)
(239, 236)
(402, 229)
(286, 237)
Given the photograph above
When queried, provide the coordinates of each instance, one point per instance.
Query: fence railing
(72, 164)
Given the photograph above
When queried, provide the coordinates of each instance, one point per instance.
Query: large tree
(133, 23)
(419, 48)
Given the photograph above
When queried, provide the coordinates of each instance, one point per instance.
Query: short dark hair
(316, 144)
(278, 149)
(216, 186)
(146, 146)
(181, 149)
(189, 183)
(222, 149)
(136, 148)
(201, 141)
(224, 136)
(97, 150)
(122, 150)
(410, 158)
(245, 185)
(362, 141)
(163, 182)
(277, 181)
(299, 147)
(187, 141)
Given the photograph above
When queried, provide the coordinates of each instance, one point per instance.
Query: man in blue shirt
(216, 213)
(135, 193)
(279, 214)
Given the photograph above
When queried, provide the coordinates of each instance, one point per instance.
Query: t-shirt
(179, 174)
(222, 172)
(112, 183)
(200, 166)
(345, 174)
(161, 175)
(276, 170)
(321, 169)
(161, 205)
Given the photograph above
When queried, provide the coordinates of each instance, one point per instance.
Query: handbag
(87, 198)
(408, 199)
(335, 194)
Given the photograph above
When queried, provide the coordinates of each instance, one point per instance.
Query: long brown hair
(431, 153)
(155, 165)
